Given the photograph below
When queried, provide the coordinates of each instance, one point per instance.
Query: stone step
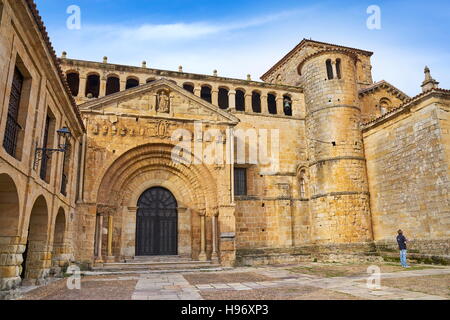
(158, 259)
(148, 266)
(146, 271)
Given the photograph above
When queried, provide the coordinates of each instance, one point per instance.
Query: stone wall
(408, 166)
(272, 213)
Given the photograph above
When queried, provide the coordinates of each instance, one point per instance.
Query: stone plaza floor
(306, 281)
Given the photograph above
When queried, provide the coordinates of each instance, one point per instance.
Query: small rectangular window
(49, 135)
(240, 181)
(66, 167)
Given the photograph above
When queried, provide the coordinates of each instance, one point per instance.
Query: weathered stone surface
(332, 188)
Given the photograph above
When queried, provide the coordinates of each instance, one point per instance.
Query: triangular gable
(384, 85)
(162, 99)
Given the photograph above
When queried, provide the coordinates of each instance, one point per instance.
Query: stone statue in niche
(95, 129)
(163, 102)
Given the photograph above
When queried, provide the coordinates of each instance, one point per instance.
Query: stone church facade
(350, 162)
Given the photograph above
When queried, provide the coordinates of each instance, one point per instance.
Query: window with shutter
(12, 126)
(240, 181)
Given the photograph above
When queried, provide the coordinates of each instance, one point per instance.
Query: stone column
(102, 87)
(335, 74)
(99, 239)
(264, 104)
(202, 256)
(82, 87)
(232, 100)
(215, 97)
(123, 85)
(110, 257)
(198, 92)
(214, 255)
(280, 105)
(248, 102)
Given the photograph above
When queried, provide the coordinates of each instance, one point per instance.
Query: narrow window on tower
(338, 68)
(240, 181)
(329, 69)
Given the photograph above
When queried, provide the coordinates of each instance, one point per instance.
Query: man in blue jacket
(401, 240)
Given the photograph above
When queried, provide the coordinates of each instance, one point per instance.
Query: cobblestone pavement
(283, 284)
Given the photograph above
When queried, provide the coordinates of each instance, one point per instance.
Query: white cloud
(175, 31)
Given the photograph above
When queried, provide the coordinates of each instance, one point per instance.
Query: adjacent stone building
(37, 187)
(315, 162)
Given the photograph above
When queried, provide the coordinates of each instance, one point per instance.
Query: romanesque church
(92, 173)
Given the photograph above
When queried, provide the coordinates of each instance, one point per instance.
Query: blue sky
(248, 36)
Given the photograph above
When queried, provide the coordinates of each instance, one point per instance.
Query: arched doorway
(157, 223)
(35, 255)
(58, 239)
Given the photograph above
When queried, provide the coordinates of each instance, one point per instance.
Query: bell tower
(339, 205)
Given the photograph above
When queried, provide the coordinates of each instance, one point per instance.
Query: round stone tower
(340, 211)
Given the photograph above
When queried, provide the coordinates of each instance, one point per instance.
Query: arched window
(149, 80)
(131, 83)
(240, 100)
(338, 68)
(302, 185)
(272, 103)
(112, 85)
(73, 80)
(256, 102)
(205, 94)
(223, 98)
(287, 105)
(329, 70)
(189, 87)
(93, 86)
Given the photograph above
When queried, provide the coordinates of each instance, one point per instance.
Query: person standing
(401, 240)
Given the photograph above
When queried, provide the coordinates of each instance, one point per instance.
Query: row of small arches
(92, 90)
